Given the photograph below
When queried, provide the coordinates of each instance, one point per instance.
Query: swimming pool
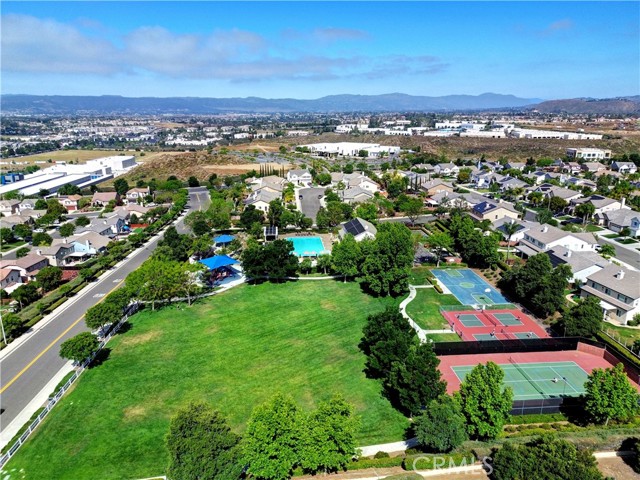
(307, 246)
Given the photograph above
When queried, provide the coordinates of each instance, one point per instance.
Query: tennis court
(470, 320)
(468, 287)
(508, 319)
(538, 380)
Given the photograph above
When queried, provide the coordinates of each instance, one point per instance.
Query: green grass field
(444, 337)
(235, 351)
(425, 308)
(420, 276)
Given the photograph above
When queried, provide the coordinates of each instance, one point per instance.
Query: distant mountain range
(392, 102)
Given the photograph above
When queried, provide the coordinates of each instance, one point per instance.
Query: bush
(375, 463)
(381, 455)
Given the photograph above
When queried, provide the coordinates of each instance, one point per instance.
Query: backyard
(235, 351)
(425, 308)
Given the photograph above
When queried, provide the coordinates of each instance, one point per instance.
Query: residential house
(10, 279)
(137, 195)
(358, 179)
(494, 211)
(617, 220)
(101, 199)
(581, 182)
(261, 198)
(447, 169)
(69, 202)
(572, 167)
(483, 179)
(27, 203)
(436, 186)
(9, 207)
(582, 264)
(624, 167)
(602, 204)
(56, 254)
(538, 177)
(564, 193)
(594, 167)
(522, 227)
(29, 265)
(300, 177)
(359, 228)
(511, 183)
(85, 244)
(13, 220)
(515, 166)
(635, 226)
(270, 183)
(546, 237)
(618, 290)
(353, 195)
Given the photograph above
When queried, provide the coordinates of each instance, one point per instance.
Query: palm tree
(510, 229)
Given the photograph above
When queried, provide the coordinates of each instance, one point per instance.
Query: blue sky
(311, 49)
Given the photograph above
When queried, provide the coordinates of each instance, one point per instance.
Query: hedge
(618, 348)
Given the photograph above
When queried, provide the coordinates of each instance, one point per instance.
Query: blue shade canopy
(218, 261)
(224, 239)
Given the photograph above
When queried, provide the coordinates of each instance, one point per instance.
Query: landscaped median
(233, 350)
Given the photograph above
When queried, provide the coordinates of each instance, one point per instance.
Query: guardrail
(53, 401)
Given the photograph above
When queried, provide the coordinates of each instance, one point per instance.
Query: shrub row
(618, 348)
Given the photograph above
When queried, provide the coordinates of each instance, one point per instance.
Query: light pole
(564, 387)
(4, 337)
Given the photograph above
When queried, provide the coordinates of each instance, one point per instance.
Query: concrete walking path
(422, 334)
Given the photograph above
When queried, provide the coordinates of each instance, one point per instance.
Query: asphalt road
(421, 220)
(25, 370)
(310, 201)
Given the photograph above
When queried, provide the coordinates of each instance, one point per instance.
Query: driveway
(311, 199)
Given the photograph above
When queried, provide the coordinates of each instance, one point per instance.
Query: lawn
(12, 245)
(593, 228)
(425, 308)
(235, 351)
(623, 334)
(444, 337)
(420, 276)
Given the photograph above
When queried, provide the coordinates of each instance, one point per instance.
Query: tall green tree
(49, 278)
(441, 427)
(414, 379)
(272, 439)
(121, 186)
(219, 213)
(201, 445)
(510, 229)
(328, 439)
(346, 257)
(80, 347)
(412, 207)
(440, 241)
(584, 319)
(41, 239)
(610, 396)
(485, 401)
(26, 294)
(67, 230)
(386, 269)
(585, 210)
(367, 211)
(101, 314)
(274, 214)
(249, 216)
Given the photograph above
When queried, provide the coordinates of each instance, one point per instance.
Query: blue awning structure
(224, 239)
(218, 261)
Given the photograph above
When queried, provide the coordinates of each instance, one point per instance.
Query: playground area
(468, 287)
(491, 324)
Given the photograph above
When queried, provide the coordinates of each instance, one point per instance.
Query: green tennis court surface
(507, 319)
(481, 337)
(470, 320)
(539, 380)
(524, 335)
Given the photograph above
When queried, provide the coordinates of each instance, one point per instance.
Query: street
(27, 368)
(310, 201)
(626, 253)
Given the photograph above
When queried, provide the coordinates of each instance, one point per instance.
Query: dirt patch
(141, 338)
(133, 413)
(327, 305)
(616, 468)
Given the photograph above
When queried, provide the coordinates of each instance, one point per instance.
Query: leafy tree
(386, 269)
(80, 347)
(367, 211)
(584, 319)
(155, 280)
(41, 238)
(121, 186)
(200, 228)
(49, 278)
(386, 338)
(201, 445)
(557, 204)
(510, 229)
(249, 216)
(6, 235)
(544, 458)
(464, 175)
(346, 257)
(22, 231)
(219, 213)
(55, 209)
(69, 189)
(440, 241)
(412, 207)
(274, 213)
(41, 204)
(102, 314)
(585, 210)
(67, 230)
(22, 252)
(414, 379)
(193, 182)
(305, 266)
(607, 250)
(485, 401)
(328, 440)
(610, 396)
(279, 260)
(324, 263)
(12, 325)
(441, 427)
(26, 294)
(272, 439)
(83, 221)
(536, 198)
(323, 178)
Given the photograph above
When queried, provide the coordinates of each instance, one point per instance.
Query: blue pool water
(307, 246)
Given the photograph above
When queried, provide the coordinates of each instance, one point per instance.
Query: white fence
(620, 341)
(53, 401)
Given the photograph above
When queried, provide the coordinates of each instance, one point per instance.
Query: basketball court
(468, 287)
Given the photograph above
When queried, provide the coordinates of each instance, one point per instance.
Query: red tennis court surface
(586, 357)
(473, 325)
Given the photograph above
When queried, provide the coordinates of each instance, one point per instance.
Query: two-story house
(300, 177)
(28, 265)
(9, 207)
(137, 195)
(618, 290)
(545, 237)
(10, 279)
(101, 199)
(69, 202)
